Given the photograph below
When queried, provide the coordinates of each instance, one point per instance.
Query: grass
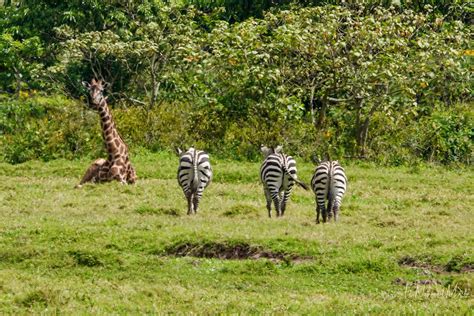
(403, 243)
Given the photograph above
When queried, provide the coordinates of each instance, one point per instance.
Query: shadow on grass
(241, 210)
(148, 210)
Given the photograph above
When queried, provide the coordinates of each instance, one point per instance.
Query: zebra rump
(329, 182)
(194, 175)
(278, 175)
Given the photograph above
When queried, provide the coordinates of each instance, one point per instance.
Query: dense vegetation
(401, 245)
(387, 80)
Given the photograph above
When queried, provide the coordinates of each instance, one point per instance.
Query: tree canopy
(319, 76)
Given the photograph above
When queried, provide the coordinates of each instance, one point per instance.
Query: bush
(448, 136)
(444, 136)
(46, 128)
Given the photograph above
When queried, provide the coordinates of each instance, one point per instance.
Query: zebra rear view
(278, 176)
(194, 175)
(329, 183)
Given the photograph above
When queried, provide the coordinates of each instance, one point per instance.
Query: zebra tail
(195, 183)
(300, 183)
(330, 188)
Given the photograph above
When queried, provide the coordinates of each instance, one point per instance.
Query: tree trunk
(154, 89)
(358, 109)
(362, 133)
(362, 129)
(313, 110)
(322, 113)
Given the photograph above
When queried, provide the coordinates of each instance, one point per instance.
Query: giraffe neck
(113, 142)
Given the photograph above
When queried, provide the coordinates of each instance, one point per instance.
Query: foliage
(448, 136)
(46, 128)
(36, 127)
(444, 136)
(239, 10)
(317, 76)
(19, 62)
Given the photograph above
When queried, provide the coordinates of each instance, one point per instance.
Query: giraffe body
(117, 166)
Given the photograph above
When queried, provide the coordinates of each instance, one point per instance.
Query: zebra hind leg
(196, 198)
(269, 202)
(318, 211)
(335, 209)
(329, 212)
(324, 213)
(331, 204)
(189, 197)
(284, 200)
(276, 201)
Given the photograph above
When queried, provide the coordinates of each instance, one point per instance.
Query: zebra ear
(279, 149)
(178, 151)
(316, 159)
(265, 150)
(86, 85)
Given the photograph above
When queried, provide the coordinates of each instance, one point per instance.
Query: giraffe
(117, 166)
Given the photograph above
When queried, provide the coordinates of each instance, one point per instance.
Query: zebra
(328, 182)
(278, 175)
(194, 175)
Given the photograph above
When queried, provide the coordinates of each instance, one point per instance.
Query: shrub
(46, 128)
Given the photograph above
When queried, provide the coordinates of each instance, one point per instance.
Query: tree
(19, 61)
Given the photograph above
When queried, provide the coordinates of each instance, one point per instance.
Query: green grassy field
(404, 243)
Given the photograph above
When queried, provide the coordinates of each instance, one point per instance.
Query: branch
(135, 100)
(313, 119)
(337, 100)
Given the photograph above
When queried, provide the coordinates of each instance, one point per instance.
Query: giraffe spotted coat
(117, 166)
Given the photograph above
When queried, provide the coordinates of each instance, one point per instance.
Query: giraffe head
(96, 91)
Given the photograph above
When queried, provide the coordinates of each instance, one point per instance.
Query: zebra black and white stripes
(278, 175)
(194, 175)
(329, 183)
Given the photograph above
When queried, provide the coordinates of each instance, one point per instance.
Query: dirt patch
(411, 262)
(227, 250)
(468, 268)
(456, 264)
(459, 264)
